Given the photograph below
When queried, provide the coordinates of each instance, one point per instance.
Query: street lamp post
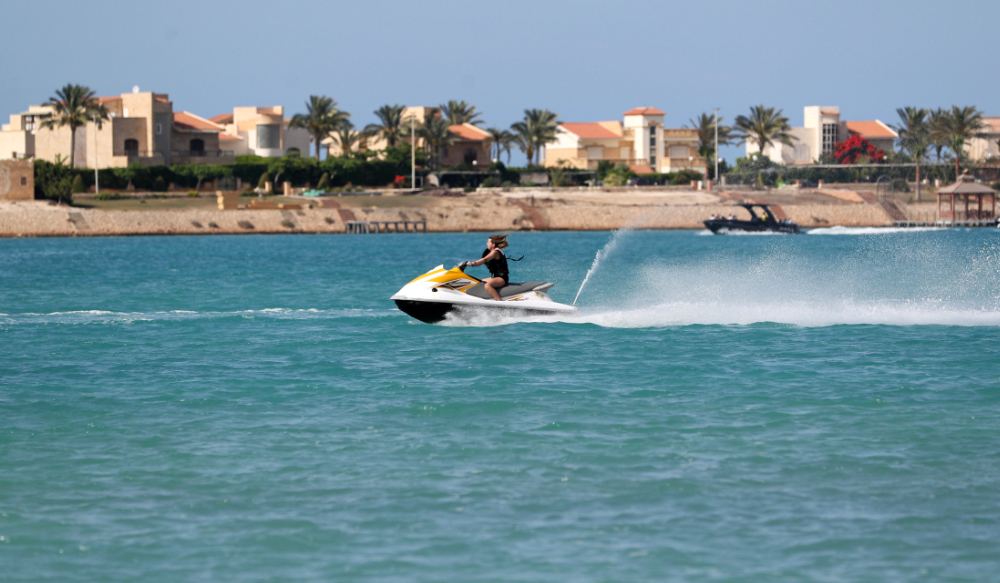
(716, 176)
(97, 178)
(413, 156)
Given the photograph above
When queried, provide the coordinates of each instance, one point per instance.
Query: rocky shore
(522, 209)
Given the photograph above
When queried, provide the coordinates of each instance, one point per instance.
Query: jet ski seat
(511, 289)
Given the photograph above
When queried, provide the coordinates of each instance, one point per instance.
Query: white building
(821, 131)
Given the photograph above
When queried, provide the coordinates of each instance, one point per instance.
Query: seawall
(483, 212)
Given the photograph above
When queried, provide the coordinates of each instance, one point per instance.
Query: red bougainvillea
(857, 148)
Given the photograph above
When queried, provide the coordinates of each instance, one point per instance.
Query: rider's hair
(499, 240)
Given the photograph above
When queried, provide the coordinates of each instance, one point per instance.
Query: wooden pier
(972, 223)
(366, 227)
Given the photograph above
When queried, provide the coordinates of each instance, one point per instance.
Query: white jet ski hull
(439, 292)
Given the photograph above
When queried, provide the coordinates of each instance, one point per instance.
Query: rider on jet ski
(496, 262)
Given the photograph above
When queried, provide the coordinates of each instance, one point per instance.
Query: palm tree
(705, 125)
(939, 130)
(500, 140)
(322, 118)
(436, 134)
(538, 129)
(459, 112)
(764, 127)
(964, 123)
(390, 124)
(914, 135)
(347, 138)
(74, 106)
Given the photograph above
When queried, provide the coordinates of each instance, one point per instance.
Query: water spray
(610, 246)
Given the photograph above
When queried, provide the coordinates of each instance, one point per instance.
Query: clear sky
(586, 61)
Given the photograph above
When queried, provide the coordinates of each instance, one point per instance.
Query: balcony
(138, 153)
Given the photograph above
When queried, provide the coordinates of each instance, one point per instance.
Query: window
(159, 128)
(595, 152)
(830, 137)
(197, 147)
(678, 152)
(131, 147)
(24, 181)
(268, 136)
(652, 138)
(652, 161)
(29, 122)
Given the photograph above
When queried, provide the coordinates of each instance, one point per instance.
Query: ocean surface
(823, 407)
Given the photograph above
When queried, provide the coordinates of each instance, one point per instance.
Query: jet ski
(430, 297)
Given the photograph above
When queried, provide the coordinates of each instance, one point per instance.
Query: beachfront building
(640, 141)
(987, 145)
(821, 131)
(142, 127)
(261, 131)
(472, 146)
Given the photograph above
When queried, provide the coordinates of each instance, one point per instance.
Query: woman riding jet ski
(430, 297)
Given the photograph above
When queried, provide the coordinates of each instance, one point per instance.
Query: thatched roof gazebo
(966, 188)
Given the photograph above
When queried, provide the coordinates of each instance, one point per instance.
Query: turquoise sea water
(759, 408)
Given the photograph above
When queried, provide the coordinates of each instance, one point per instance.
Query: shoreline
(521, 210)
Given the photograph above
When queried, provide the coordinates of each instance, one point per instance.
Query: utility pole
(97, 178)
(413, 156)
(716, 144)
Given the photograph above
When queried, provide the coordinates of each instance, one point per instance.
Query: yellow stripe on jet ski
(427, 274)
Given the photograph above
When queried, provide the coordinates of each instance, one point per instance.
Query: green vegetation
(763, 127)
(459, 112)
(74, 106)
(705, 125)
(324, 182)
(78, 186)
(436, 135)
(322, 118)
(390, 126)
(536, 130)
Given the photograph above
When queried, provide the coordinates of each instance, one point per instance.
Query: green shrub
(900, 185)
(265, 179)
(108, 196)
(491, 182)
(324, 181)
(287, 224)
(159, 185)
(469, 188)
(193, 194)
(78, 186)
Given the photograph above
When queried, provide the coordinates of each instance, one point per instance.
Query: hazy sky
(586, 61)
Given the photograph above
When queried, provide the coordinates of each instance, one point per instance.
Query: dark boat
(761, 222)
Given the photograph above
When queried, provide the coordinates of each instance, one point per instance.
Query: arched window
(197, 147)
(470, 155)
(293, 151)
(131, 147)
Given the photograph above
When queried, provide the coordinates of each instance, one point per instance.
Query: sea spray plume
(608, 248)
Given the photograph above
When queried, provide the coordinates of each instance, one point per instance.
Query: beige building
(640, 141)
(821, 131)
(142, 127)
(261, 131)
(17, 180)
(985, 147)
(472, 147)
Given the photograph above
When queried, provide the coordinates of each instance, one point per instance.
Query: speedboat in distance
(435, 294)
(760, 221)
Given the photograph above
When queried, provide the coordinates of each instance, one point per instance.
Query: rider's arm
(484, 259)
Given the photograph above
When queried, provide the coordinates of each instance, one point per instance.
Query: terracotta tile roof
(109, 99)
(228, 138)
(467, 131)
(645, 111)
(871, 129)
(222, 118)
(189, 121)
(644, 169)
(590, 131)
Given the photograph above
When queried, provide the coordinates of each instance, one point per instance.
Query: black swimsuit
(498, 266)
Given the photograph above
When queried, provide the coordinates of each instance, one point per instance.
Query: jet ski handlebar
(461, 266)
